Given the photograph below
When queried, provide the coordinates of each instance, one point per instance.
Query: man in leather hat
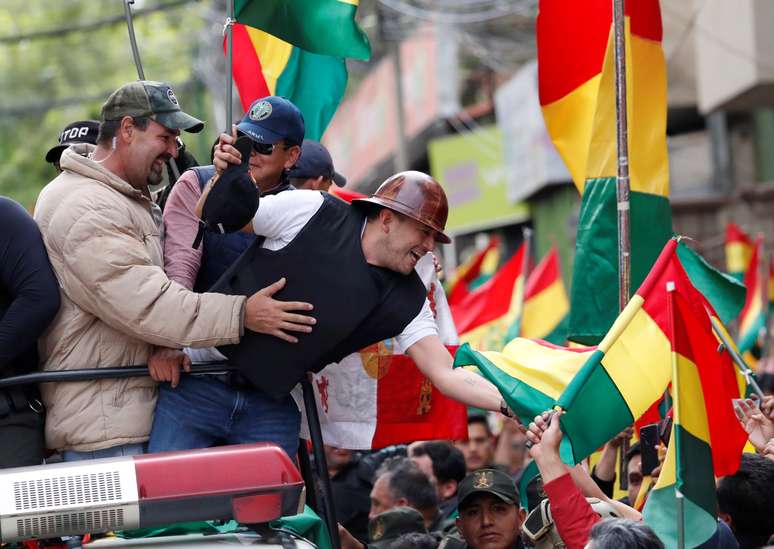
(355, 265)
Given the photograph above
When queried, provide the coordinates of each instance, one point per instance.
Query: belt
(234, 380)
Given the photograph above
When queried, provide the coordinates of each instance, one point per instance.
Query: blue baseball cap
(273, 118)
(316, 161)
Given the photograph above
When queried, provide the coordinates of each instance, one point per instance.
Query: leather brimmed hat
(415, 195)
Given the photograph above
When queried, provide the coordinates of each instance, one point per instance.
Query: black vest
(355, 304)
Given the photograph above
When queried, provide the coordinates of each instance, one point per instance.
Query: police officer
(385, 528)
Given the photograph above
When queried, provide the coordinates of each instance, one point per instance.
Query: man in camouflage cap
(103, 239)
(489, 516)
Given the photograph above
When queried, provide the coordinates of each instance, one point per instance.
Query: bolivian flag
(706, 439)
(606, 388)
(739, 250)
(326, 27)
(755, 311)
(578, 103)
(484, 316)
(545, 303)
(481, 265)
(265, 65)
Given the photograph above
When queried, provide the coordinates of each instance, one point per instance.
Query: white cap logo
(171, 97)
(260, 111)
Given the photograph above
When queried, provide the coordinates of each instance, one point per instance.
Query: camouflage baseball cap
(156, 100)
(386, 527)
(487, 481)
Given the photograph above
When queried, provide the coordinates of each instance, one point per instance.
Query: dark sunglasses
(266, 149)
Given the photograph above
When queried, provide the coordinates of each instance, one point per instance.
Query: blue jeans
(202, 411)
(115, 451)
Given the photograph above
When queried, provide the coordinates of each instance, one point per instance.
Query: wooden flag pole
(229, 60)
(622, 184)
(138, 66)
(679, 496)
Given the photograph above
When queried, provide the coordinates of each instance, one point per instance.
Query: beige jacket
(116, 304)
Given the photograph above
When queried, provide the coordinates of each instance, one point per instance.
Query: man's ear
(386, 219)
(294, 153)
(127, 128)
(448, 489)
(522, 515)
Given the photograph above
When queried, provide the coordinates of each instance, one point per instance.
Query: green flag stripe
(315, 84)
(594, 295)
(725, 293)
(524, 400)
(593, 395)
(661, 514)
(696, 477)
(326, 27)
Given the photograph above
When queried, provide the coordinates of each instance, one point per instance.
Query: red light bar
(250, 483)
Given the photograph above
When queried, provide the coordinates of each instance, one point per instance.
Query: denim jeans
(203, 411)
(115, 451)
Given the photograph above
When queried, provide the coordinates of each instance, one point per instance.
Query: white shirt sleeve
(280, 217)
(423, 325)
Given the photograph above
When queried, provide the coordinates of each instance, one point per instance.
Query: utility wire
(90, 26)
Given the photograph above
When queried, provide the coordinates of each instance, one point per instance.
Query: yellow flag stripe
(546, 369)
(273, 53)
(583, 123)
(544, 311)
(639, 361)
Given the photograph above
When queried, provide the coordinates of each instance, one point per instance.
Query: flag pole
(679, 497)
(229, 59)
(622, 183)
(138, 66)
(738, 360)
(526, 235)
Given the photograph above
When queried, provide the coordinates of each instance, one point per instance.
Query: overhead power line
(90, 26)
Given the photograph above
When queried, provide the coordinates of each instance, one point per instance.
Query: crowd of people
(106, 275)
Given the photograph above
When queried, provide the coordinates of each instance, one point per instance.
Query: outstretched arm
(434, 360)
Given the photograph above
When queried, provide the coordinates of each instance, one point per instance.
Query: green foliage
(50, 81)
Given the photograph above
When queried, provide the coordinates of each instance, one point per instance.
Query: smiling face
(267, 169)
(403, 241)
(146, 151)
(487, 522)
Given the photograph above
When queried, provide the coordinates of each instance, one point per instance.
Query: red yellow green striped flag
(578, 104)
(545, 303)
(266, 65)
(326, 27)
(752, 320)
(481, 265)
(602, 389)
(484, 316)
(706, 439)
(739, 248)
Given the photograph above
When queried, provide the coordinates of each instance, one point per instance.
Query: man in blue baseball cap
(276, 128)
(314, 170)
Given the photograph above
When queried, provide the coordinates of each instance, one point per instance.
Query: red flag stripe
(580, 31)
(246, 67)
